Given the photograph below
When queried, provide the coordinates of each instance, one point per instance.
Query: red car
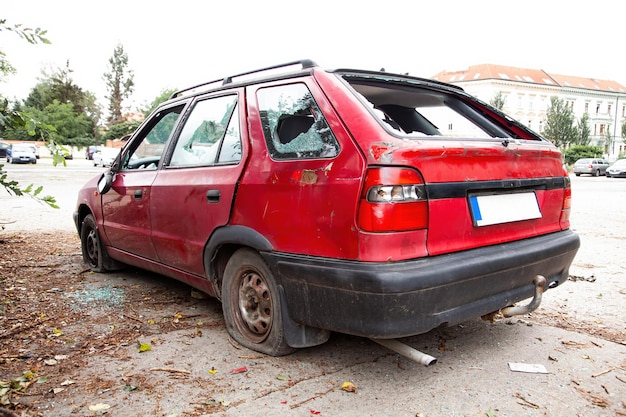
(311, 200)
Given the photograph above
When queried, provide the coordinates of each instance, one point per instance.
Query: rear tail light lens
(393, 199)
(396, 193)
(567, 202)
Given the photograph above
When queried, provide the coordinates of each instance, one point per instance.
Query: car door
(193, 194)
(126, 207)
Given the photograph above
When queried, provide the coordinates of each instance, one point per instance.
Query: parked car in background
(617, 169)
(90, 151)
(104, 157)
(311, 200)
(591, 166)
(34, 146)
(19, 153)
(4, 146)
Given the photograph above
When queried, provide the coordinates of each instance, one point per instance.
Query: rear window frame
(495, 123)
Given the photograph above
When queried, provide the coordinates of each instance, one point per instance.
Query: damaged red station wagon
(311, 200)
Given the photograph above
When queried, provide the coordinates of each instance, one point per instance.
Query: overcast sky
(176, 44)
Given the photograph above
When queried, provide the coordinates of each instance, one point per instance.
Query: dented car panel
(314, 200)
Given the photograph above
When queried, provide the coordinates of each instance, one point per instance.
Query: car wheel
(596, 173)
(94, 253)
(578, 174)
(251, 304)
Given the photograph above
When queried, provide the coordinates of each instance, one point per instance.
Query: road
(61, 182)
(578, 335)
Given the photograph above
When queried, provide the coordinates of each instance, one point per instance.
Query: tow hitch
(540, 285)
(420, 357)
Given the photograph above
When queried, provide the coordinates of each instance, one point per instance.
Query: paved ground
(193, 369)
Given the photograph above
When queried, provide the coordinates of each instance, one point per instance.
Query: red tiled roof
(527, 75)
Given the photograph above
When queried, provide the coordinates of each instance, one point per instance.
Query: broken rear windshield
(411, 110)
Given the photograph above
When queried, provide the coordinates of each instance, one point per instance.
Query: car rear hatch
(442, 163)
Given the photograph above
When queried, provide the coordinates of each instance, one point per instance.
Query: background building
(527, 93)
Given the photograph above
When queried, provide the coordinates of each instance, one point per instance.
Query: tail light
(393, 199)
(567, 202)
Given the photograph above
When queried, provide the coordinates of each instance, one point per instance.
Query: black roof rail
(391, 74)
(305, 63)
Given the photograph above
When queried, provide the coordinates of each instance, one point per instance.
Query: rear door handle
(213, 196)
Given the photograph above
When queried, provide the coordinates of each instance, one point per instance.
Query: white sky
(177, 44)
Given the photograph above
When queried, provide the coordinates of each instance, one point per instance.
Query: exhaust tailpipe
(540, 286)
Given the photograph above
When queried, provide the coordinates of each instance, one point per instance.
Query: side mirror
(105, 182)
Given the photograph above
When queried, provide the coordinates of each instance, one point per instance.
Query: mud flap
(298, 335)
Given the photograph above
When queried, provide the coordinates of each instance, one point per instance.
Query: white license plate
(503, 208)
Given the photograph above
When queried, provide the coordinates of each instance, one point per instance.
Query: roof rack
(305, 63)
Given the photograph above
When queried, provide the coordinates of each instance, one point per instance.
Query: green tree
(162, 97)
(559, 127)
(498, 101)
(12, 118)
(58, 101)
(119, 83)
(120, 130)
(68, 125)
(584, 131)
(608, 140)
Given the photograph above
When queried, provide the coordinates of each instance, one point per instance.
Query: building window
(586, 107)
(608, 110)
(602, 129)
(597, 108)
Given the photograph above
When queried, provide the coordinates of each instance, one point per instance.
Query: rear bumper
(390, 300)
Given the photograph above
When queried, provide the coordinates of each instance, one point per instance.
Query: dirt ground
(131, 343)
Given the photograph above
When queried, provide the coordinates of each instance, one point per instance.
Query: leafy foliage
(161, 98)
(584, 131)
(30, 35)
(118, 131)
(559, 127)
(11, 118)
(498, 101)
(13, 188)
(60, 103)
(576, 152)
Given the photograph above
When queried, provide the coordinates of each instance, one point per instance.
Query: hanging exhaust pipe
(406, 351)
(540, 286)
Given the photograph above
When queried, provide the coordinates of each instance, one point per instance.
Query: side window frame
(308, 136)
(144, 131)
(231, 117)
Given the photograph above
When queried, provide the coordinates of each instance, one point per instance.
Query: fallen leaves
(18, 385)
(348, 387)
(144, 347)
